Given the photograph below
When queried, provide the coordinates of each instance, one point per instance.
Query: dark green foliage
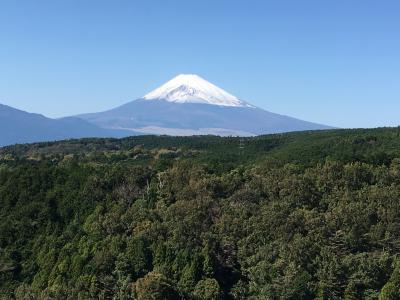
(309, 215)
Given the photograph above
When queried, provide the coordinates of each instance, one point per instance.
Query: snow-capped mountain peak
(191, 88)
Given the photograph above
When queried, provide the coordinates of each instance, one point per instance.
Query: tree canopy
(308, 215)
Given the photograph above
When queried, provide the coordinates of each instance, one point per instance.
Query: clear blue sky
(335, 62)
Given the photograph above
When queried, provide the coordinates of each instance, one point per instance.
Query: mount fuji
(190, 105)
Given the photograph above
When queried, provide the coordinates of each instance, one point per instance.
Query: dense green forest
(308, 215)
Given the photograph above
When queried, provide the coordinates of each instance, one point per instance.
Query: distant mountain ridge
(17, 126)
(187, 105)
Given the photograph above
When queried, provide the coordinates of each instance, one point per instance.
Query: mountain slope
(188, 105)
(169, 118)
(17, 126)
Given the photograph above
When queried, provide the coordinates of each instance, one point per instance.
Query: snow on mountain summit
(190, 88)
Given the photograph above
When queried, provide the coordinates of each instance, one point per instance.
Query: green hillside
(307, 215)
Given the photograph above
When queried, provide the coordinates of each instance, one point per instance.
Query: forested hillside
(308, 215)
